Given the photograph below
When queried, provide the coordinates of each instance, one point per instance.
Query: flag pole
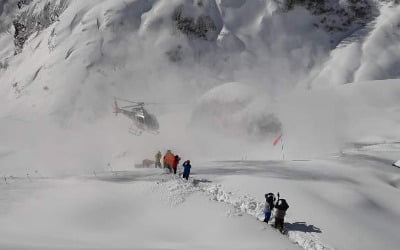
(283, 148)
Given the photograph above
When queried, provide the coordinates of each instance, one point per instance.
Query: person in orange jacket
(176, 163)
(169, 159)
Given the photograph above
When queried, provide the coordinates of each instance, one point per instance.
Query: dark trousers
(267, 216)
(279, 223)
(186, 174)
(174, 170)
(166, 165)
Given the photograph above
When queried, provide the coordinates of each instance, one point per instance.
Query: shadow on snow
(302, 227)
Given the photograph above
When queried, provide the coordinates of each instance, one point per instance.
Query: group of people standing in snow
(171, 162)
(279, 206)
(273, 204)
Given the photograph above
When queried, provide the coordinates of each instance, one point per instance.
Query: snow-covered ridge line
(177, 190)
(249, 205)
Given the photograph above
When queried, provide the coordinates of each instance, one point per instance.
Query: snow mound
(233, 109)
(244, 204)
(176, 190)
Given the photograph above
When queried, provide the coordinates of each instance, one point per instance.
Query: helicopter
(143, 121)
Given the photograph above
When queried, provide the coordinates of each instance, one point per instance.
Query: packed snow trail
(118, 210)
(176, 190)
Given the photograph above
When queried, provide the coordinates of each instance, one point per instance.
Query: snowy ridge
(370, 53)
(177, 190)
(358, 36)
(249, 205)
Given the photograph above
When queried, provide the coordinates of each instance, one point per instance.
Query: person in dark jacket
(269, 205)
(176, 163)
(281, 207)
(186, 169)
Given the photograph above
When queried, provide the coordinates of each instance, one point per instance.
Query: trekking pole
(283, 148)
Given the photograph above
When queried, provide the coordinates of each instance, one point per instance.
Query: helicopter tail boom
(116, 108)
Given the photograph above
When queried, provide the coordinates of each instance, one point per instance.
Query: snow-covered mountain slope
(374, 56)
(62, 62)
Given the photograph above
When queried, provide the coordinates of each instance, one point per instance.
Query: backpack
(282, 205)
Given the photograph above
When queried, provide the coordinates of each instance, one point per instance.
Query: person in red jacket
(176, 163)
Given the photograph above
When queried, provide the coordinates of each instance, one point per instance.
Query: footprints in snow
(177, 190)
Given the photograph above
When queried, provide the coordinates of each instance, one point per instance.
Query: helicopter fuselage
(142, 119)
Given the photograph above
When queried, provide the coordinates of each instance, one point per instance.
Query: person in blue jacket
(186, 169)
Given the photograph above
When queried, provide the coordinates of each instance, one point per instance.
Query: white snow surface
(147, 208)
(67, 163)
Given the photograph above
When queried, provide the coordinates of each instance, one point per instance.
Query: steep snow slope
(374, 57)
(58, 90)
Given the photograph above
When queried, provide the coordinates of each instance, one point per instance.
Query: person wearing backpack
(281, 206)
(269, 205)
(169, 159)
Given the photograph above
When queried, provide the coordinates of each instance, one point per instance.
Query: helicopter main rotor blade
(124, 100)
(149, 103)
(132, 106)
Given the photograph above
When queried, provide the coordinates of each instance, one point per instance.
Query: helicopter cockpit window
(140, 118)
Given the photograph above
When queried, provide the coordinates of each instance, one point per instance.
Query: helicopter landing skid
(135, 132)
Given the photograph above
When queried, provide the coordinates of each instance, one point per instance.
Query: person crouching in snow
(281, 207)
(186, 169)
(269, 205)
(175, 163)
